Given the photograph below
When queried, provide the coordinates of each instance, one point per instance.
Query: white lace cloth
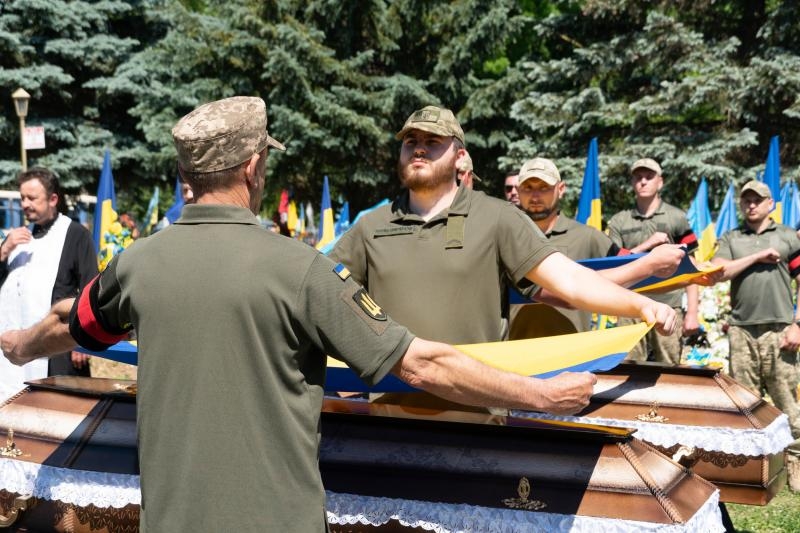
(78, 487)
(750, 442)
(349, 509)
(82, 488)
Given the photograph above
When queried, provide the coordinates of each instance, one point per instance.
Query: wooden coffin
(538, 475)
(700, 416)
(74, 454)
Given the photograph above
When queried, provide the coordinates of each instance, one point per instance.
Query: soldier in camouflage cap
(435, 120)
(222, 134)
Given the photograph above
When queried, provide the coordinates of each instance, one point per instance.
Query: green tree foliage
(55, 50)
(701, 85)
(691, 84)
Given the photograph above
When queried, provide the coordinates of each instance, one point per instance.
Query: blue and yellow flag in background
(772, 177)
(727, 218)
(699, 216)
(589, 202)
(151, 217)
(325, 232)
(105, 212)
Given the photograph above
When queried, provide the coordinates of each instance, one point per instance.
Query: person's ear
(250, 170)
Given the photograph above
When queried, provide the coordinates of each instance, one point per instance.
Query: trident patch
(368, 305)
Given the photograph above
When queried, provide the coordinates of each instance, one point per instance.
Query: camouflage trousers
(666, 348)
(757, 362)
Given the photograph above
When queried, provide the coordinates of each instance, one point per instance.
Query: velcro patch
(341, 271)
(368, 305)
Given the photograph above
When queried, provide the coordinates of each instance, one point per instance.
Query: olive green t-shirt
(577, 241)
(443, 279)
(233, 324)
(628, 229)
(762, 294)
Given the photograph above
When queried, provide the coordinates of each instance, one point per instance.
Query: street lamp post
(21, 98)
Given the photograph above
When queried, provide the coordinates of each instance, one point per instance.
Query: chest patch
(395, 230)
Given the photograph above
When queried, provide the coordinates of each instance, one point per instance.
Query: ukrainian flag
(151, 218)
(727, 218)
(105, 210)
(699, 216)
(589, 202)
(291, 218)
(325, 233)
(772, 177)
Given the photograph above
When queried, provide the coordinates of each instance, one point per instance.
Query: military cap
(541, 168)
(466, 165)
(758, 187)
(647, 163)
(222, 134)
(432, 119)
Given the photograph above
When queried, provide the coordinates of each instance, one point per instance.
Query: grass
(781, 515)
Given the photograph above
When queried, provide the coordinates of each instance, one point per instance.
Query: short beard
(540, 215)
(411, 180)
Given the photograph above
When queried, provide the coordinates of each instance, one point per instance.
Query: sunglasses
(510, 188)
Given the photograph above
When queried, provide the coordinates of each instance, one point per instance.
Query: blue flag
(772, 177)
(791, 205)
(343, 220)
(174, 212)
(589, 212)
(727, 218)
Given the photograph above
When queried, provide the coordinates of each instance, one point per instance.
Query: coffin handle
(685, 456)
(20, 504)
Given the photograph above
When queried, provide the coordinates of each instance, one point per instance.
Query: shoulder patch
(368, 305)
(341, 271)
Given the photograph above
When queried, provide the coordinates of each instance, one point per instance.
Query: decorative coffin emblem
(10, 449)
(524, 491)
(652, 415)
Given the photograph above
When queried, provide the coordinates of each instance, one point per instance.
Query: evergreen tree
(55, 50)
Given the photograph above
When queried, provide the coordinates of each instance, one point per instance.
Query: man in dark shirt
(40, 264)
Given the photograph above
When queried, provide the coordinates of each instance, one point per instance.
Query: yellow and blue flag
(727, 218)
(772, 177)
(291, 218)
(151, 217)
(325, 232)
(589, 201)
(699, 216)
(592, 351)
(105, 212)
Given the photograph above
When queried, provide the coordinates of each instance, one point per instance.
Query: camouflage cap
(222, 134)
(540, 168)
(432, 119)
(466, 165)
(758, 187)
(647, 163)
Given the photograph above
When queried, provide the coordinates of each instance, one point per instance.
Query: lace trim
(350, 509)
(82, 488)
(750, 442)
(77, 487)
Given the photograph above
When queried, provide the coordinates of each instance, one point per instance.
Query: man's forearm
(732, 268)
(444, 371)
(46, 338)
